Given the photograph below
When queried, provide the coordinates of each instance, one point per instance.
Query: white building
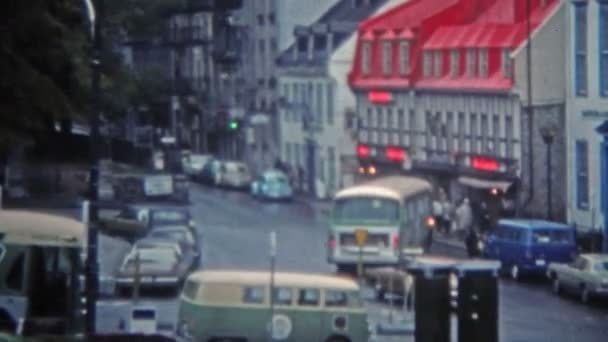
(587, 108)
(313, 82)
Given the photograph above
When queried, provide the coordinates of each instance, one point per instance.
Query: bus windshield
(366, 210)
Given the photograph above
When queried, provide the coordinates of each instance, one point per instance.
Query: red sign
(395, 154)
(363, 151)
(379, 97)
(485, 164)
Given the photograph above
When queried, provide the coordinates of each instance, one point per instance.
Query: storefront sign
(380, 97)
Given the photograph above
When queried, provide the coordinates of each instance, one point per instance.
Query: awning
(484, 184)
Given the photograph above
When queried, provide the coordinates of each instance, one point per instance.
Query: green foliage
(45, 56)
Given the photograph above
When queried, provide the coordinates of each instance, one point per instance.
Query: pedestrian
(484, 217)
(472, 243)
(464, 217)
(438, 213)
(446, 216)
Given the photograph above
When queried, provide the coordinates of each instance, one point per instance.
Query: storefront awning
(484, 184)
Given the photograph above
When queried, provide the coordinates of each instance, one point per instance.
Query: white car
(587, 276)
(235, 174)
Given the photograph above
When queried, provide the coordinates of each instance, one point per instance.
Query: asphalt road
(235, 231)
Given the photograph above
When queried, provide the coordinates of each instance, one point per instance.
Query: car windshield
(276, 178)
(366, 210)
(168, 216)
(601, 266)
(551, 236)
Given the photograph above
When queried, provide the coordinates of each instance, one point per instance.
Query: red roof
(451, 24)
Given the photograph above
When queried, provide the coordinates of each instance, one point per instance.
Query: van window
(191, 289)
(253, 294)
(308, 297)
(282, 296)
(14, 280)
(336, 298)
(548, 236)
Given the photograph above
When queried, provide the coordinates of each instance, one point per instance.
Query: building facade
(267, 28)
(316, 103)
(587, 103)
(443, 91)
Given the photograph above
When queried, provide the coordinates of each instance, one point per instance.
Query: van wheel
(514, 272)
(7, 324)
(585, 294)
(557, 287)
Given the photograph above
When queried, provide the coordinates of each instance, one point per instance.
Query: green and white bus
(236, 306)
(40, 269)
(396, 213)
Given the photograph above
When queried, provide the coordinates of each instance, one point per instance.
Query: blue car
(526, 247)
(272, 185)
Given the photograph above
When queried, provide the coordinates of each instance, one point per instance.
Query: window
(484, 133)
(507, 63)
(319, 100)
(330, 103)
(271, 18)
(412, 125)
(450, 130)
(331, 166)
(387, 54)
(582, 175)
(461, 130)
(580, 48)
(308, 297)
(471, 62)
(262, 46)
(366, 58)
(438, 63)
(260, 19)
(473, 133)
(404, 60)
(302, 44)
(191, 289)
(390, 124)
(370, 209)
(427, 64)
(455, 63)
(495, 134)
(282, 296)
(335, 298)
(370, 121)
(509, 135)
(380, 118)
(253, 294)
(483, 62)
(273, 46)
(320, 42)
(603, 48)
(14, 279)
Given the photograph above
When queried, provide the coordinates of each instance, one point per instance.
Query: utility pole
(92, 266)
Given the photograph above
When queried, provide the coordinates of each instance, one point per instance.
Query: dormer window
(366, 58)
(483, 62)
(427, 68)
(470, 62)
(438, 63)
(454, 63)
(507, 63)
(302, 44)
(404, 57)
(387, 58)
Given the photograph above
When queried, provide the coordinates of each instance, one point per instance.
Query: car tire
(514, 272)
(556, 286)
(585, 294)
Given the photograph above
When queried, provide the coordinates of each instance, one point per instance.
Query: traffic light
(233, 125)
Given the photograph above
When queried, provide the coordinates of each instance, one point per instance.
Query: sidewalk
(450, 241)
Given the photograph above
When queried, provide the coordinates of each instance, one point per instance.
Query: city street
(235, 230)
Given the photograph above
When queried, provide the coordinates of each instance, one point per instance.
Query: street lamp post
(548, 134)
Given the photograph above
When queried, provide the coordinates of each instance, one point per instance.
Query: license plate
(540, 262)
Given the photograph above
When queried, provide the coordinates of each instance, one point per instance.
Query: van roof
(533, 224)
(395, 187)
(33, 228)
(281, 279)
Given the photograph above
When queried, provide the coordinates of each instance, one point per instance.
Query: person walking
(472, 243)
(464, 217)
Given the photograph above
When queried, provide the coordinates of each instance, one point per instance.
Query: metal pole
(273, 253)
(549, 184)
(92, 267)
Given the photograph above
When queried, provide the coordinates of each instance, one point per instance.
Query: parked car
(185, 236)
(235, 174)
(272, 184)
(154, 265)
(587, 276)
(526, 247)
(211, 172)
(195, 163)
(134, 222)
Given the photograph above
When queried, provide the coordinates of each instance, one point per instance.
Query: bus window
(335, 298)
(14, 280)
(282, 296)
(308, 297)
(253, 294)
(191, 289)
(366, 209)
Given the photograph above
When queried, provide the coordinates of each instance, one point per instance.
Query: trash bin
(432, 299)
(477, 301)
